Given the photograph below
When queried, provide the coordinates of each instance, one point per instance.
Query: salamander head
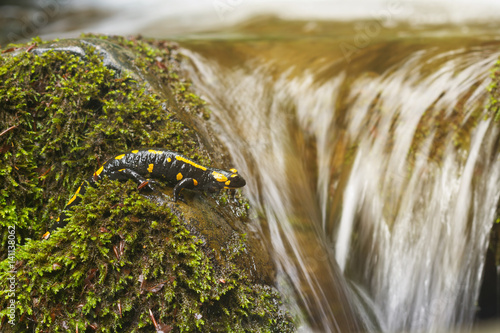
(234, 180)
(228, 179)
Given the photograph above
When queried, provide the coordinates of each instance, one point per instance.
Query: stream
(378, 179)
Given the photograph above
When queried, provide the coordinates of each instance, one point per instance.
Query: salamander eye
(235, 181)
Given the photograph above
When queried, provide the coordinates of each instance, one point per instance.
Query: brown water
(372, 167)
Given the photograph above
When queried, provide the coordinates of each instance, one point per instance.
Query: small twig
(154, 320)
(32, 46)
(120, 308)
(9, 50)
(8, 129)
(46, 172)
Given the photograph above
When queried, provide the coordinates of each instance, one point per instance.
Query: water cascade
(375, 179)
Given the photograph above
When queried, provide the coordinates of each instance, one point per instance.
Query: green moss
(94, 259)
(494, 91)
(66, 112)
(240, 204)
(163, 59)
(122, 259)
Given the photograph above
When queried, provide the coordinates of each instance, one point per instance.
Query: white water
(254, 123)
(411, 233)
(428, 229)
(179, 19)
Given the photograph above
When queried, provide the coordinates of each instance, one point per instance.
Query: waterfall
(421, 202)
(374, 186)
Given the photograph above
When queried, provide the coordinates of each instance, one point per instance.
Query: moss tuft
(94, 259)
(65, 111)
(494, 91)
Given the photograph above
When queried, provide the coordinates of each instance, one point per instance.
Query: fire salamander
(160, 164)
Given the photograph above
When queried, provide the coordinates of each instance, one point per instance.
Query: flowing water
(375, 177)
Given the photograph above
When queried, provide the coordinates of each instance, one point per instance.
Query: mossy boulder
(128, 260)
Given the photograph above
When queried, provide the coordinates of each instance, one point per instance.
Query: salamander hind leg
(188, 183)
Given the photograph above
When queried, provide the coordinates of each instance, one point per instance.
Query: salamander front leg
(188, 183)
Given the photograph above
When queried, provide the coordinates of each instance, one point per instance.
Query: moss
(439, 123)
(65, 112)
(494, 92)
(122, 260)
(164, 60)
(90, 277)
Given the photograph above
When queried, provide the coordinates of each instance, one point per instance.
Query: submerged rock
(128, 260)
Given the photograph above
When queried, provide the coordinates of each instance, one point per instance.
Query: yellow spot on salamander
(98, 172)
(219, 177)
(74, 196)
(227, 183)
(135, 151)
(169, 159)
(121, 170)
(152, 151)
(150, 168)
(46, 235)
(195, 182)
(179, 176)
(233, 176)
(119, 157)
(185, 160)
(233, 170)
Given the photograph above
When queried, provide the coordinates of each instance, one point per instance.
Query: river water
(372, 165)
(378, 175)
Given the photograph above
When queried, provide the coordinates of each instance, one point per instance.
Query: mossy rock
(128, 260)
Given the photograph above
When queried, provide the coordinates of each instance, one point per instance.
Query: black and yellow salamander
(161, 164)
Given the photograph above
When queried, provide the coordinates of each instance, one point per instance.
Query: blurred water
(421, 215)
(252, 114)
(21, 20)
(394, 174)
